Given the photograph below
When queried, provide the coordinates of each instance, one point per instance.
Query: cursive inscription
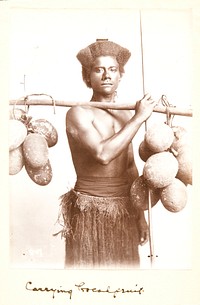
(53, 290)
(82, 288)
(114, 292)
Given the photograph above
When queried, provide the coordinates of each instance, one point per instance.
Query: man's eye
(113, 69)
(99, 70)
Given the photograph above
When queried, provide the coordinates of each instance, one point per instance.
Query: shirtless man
(103, 228)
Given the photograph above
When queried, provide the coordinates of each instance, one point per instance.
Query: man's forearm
(115, 145)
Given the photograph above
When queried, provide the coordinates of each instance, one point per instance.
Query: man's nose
(106, 75)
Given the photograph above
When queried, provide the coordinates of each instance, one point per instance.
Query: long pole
(104, 105)
(151, 243)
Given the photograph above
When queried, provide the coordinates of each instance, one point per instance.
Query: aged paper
(34, 40)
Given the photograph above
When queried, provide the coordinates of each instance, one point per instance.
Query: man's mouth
(106, 84)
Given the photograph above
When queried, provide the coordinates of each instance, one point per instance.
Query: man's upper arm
(79, 125)
(77, 121)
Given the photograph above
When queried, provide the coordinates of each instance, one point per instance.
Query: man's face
(105, 75)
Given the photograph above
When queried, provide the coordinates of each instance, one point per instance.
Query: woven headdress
(103, 47)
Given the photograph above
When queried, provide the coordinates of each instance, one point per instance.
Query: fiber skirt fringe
(99, 231)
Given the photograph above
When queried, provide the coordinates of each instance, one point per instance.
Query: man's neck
(106, 98)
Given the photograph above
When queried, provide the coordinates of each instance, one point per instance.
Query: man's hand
(143, 229)
(144, 107)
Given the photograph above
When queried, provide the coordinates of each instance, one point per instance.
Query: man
(101, 226)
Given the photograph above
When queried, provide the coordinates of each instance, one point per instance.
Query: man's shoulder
(79, 110)
(77, 113)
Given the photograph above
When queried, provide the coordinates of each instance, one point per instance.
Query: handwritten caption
(83, 288)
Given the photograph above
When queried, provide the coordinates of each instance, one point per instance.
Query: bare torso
(100, 125)
(101, 140)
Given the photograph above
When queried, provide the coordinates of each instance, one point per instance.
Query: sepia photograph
(100, 152)
(88, 171)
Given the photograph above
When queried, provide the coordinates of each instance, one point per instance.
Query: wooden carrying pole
(103, 105)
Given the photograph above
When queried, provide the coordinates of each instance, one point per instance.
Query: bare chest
(109, 122)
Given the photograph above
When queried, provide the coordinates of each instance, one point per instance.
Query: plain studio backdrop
(43, 48)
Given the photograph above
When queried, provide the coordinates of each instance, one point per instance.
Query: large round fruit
(16, 160)
(42, 175)
(159, 137)
(144, 151)
(139, 194)
(17, 114)
(181, 137)
(46, 129)
(17, 134)
(160, 169)
(184, 158)
(174, 196)
(35, 150)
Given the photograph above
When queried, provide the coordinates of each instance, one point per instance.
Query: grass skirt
(99, 231)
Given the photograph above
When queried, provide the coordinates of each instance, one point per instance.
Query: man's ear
(88, 82)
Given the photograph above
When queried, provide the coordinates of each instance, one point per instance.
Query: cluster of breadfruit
(167, 171)
(29, 143)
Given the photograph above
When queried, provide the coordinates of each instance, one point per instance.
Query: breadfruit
(160, 169)
(20, 115)
(35, 150)
(16, 160)
(139, 194)
(184, 159)
(17, 114)
(174, 196)
(17, 134)
(181, 138)
(159, 137)
(144, 151)
(42, 175)
(46, 129)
